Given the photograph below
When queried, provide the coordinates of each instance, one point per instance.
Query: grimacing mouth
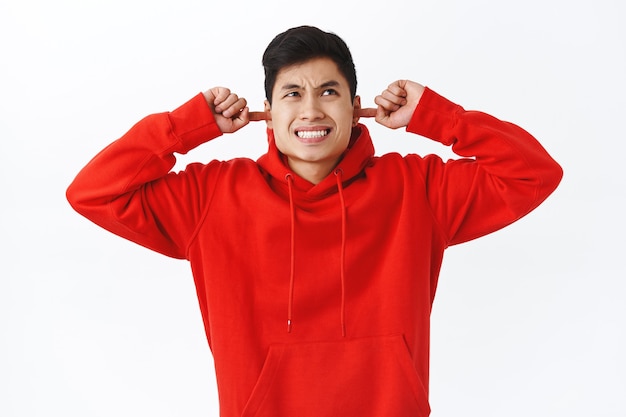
(309, 134)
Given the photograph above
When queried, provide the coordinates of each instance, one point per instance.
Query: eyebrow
(331, 83)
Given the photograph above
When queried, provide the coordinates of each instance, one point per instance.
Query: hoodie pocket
(361, 377)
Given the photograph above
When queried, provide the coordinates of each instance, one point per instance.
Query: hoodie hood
(357, 156)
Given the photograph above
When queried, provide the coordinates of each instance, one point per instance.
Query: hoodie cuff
(193, 123)
(435, 118)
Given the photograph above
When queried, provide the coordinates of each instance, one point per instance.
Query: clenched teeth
(310, 134)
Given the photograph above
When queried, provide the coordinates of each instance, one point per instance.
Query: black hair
(300, 44)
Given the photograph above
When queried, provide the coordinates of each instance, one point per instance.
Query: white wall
(528, 321)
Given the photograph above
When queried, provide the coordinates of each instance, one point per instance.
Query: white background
(529, 321)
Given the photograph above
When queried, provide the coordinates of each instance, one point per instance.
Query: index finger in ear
(366, 112)
(256, 116)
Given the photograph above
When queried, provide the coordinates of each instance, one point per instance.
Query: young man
(316, 266)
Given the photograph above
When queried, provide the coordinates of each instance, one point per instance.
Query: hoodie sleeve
(504, 172)
(129, 190)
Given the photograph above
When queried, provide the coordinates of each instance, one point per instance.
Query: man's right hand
(230, 111)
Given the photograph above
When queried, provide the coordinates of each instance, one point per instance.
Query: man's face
(312, 116)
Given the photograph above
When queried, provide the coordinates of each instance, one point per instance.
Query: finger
(382, 116)
(381, 113)
(367, 112)
(256, 116)
(226, 102)
(398, 88)
(395, 97)
(386, 104)
(385, 118)
(220, 94)
(233, 108)
(242, 118)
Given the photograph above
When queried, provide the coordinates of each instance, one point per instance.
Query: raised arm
(128, 188)
(502, 175)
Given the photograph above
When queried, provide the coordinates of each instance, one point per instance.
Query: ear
(356, 106)
(268, 107)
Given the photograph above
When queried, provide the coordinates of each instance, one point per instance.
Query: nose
(311, 109)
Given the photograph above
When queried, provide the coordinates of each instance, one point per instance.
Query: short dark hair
(300, 44)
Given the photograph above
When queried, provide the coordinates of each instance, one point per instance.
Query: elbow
(73, 196)
(553, 177)
(77, 198)
(547, 179)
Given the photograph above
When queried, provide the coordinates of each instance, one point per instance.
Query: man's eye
(329, 92)
(292, 94)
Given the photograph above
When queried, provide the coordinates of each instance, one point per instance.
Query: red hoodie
(316, 299)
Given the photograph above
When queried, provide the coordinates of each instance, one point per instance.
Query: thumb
(383, 116)
(240, 120)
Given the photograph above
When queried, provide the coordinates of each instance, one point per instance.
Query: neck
(314, 172)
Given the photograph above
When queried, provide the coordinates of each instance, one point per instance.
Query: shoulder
(393, 160)
(410, 168)
(235, 166)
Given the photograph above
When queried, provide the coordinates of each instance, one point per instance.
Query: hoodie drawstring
(338, 173)
(292, 272)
